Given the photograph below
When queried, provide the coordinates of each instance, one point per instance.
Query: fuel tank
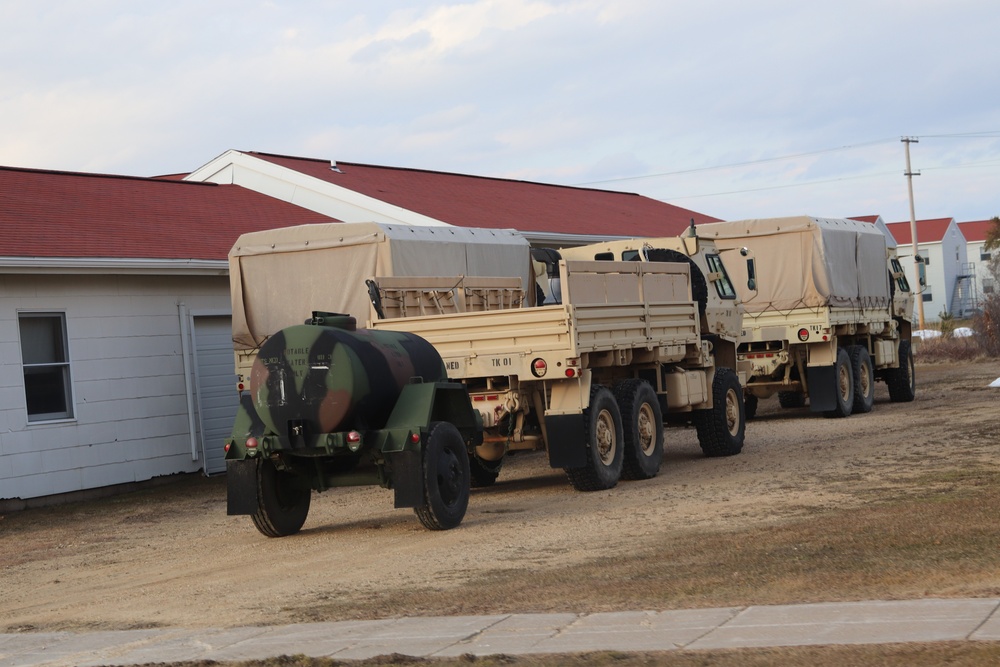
(310, 380)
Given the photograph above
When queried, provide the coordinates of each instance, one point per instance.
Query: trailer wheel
(864, 378)
(484, 473)
(603, 429)
(446, 478)
(282, 501)
(642, 429)
(750, 406)
(902, 381)
(791, 399)
(844, 390)
(722, 428)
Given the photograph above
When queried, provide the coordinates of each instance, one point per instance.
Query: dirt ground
(170, 556)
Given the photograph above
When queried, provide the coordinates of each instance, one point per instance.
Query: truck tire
(602, 423)
(791, 399)
(864, 378)
(722, 429)
(699, 286)
(282, 501)
(446, 478)
(642, 429)
(902, 381)
(484, 473)
(750, 406)
(844, 389)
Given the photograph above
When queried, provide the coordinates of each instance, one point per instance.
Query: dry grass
(940, 541)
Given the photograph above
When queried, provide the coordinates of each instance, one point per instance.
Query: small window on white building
(45, 360)
(926, 294)
(988, 287)
(985, 256)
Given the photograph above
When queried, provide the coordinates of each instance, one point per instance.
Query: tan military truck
(827, 312)
(591, 376)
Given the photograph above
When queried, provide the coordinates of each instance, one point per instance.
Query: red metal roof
(497, 203)
(928, 231)
(76, 215)
(974, 231)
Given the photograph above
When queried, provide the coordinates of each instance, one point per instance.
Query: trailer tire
(750, 403)
(483, 472)
(446, 478)
(864, 378)
(642, 429)
(843, 393)
(602, 422)
(282, 501)
(722, 428)
(902, 381)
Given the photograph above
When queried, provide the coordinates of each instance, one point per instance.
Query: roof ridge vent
(334, 167)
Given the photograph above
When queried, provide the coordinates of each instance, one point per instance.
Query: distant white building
(979, 258)
(946, 285)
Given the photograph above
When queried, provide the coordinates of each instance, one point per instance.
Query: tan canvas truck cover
(279, 277)
(806, 262)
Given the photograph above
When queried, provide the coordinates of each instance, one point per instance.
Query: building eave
(113, 266)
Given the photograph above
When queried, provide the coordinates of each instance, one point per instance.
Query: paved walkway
(517, 634)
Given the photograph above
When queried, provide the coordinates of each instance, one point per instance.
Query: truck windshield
(722, 284)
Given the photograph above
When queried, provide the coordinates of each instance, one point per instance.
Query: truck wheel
(642, 429)
(750, 406)
(721, 429)
(791, 399)
(446, 478)
(603, 424)
(864, 378)
(282, 501)
(902, 381)
(844, 389)
(484, 473)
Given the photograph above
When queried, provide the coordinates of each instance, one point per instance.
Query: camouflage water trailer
(329, 405)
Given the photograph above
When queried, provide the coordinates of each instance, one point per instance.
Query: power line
(780, 187)
(989, 134)
(737, 164)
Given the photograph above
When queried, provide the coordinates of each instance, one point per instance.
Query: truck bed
(614, 313)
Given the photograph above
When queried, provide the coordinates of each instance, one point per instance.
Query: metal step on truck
(590, 377)
(827, 312)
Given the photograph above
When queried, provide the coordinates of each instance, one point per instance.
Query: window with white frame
(45, 360)
(985, 256)
(926, 294)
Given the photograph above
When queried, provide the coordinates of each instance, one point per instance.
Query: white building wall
(946, 258)
(131, 418)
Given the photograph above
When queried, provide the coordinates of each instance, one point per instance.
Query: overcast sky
(731, 108)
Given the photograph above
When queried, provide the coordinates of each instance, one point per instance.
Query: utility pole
(913, 230)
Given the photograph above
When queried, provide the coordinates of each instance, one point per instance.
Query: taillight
(252, 443)
(539, 368)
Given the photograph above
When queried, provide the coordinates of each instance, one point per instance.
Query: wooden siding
(130, 405)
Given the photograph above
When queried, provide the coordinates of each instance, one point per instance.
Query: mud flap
(822, 388)
(407, 478)
(567, 441)
(241, 486)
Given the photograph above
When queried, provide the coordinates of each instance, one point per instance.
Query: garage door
(216, 387)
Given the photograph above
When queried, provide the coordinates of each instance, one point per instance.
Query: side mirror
(751, 270)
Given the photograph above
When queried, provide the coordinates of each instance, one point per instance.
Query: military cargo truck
(324, 404)
(828, 312)
(592, 377)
